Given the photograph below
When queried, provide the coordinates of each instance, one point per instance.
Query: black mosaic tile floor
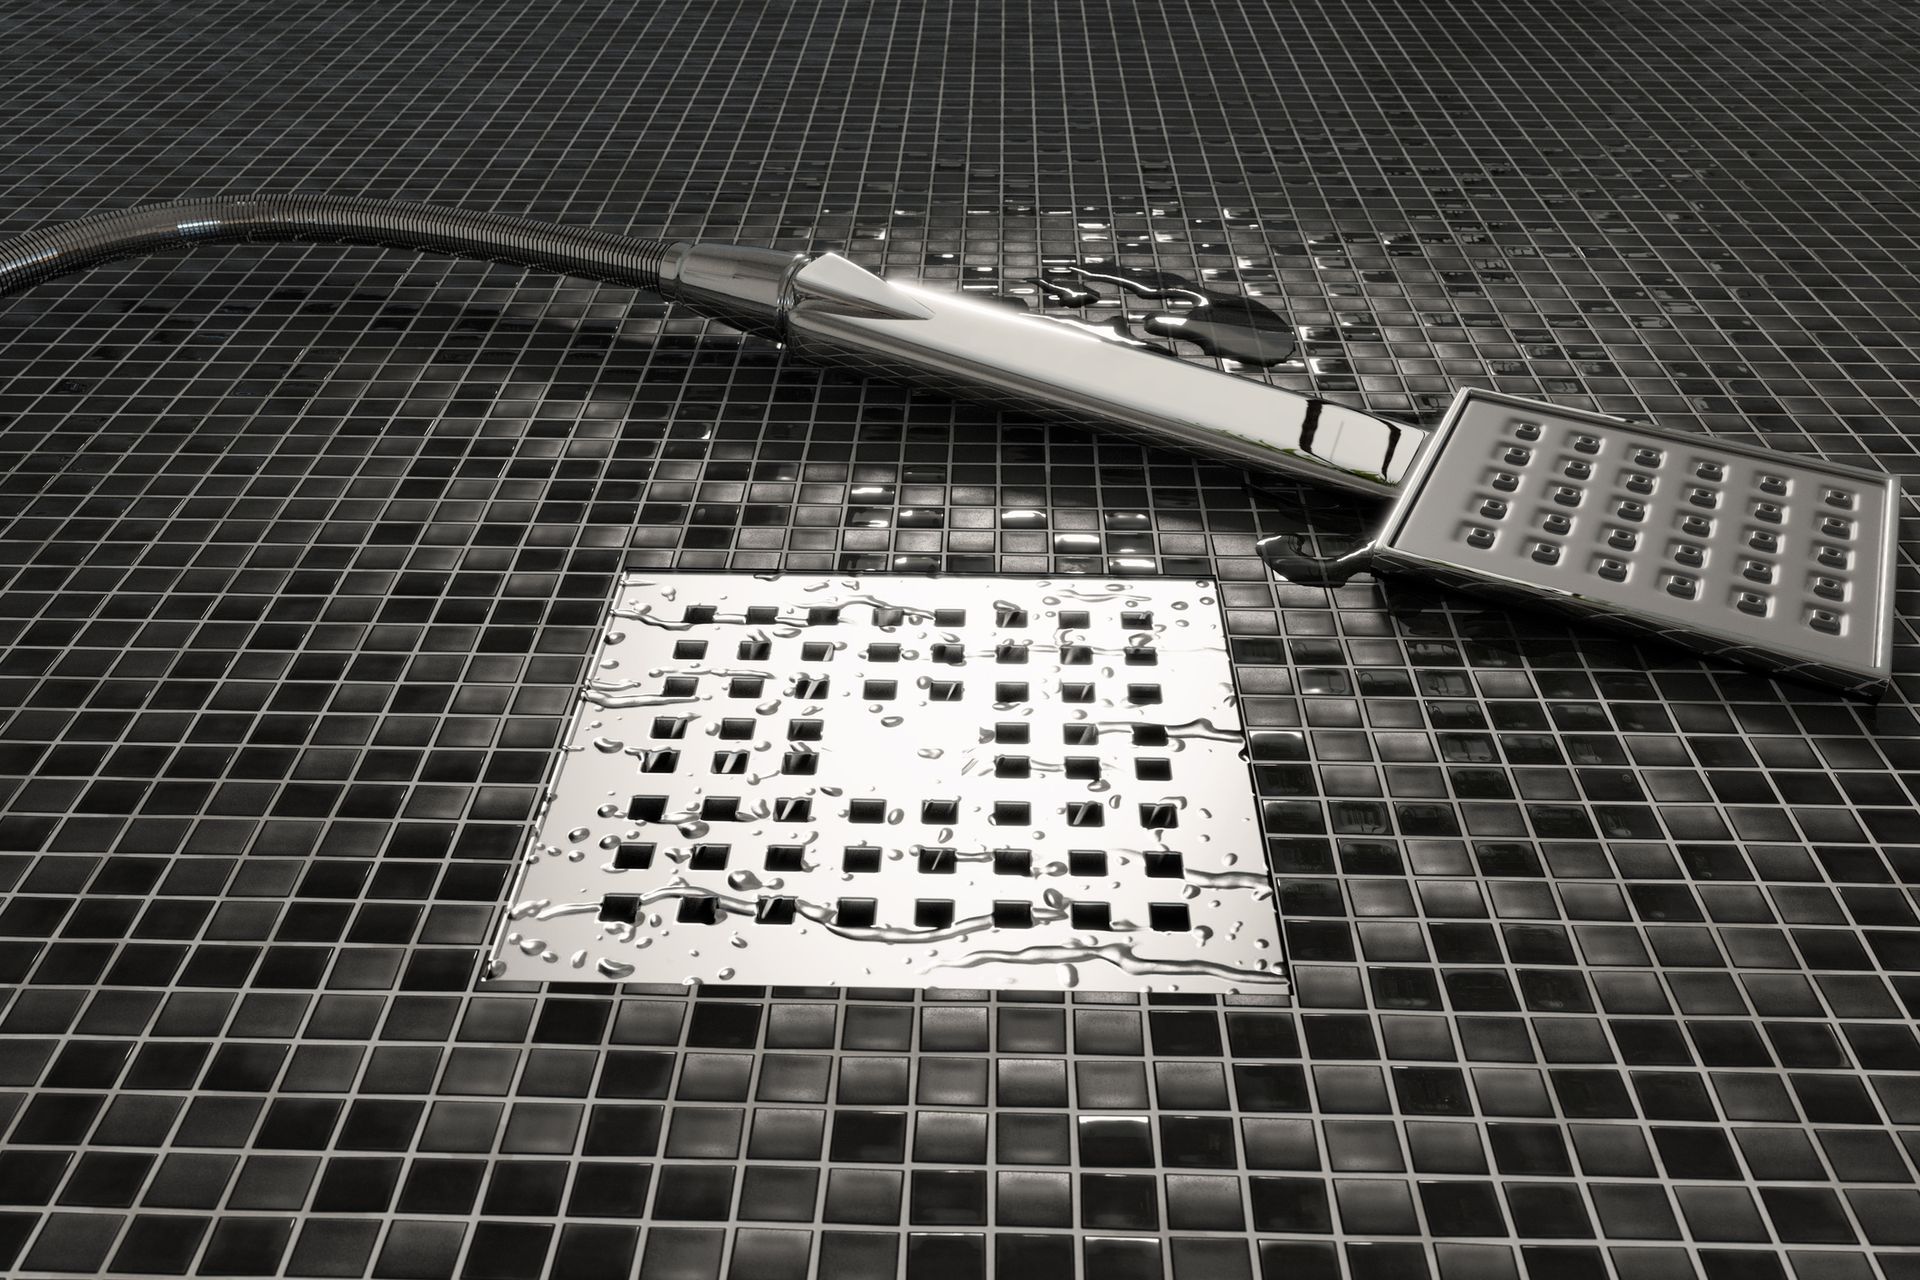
(1606, 961)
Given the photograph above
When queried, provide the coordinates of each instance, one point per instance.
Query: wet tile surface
(1604, 959)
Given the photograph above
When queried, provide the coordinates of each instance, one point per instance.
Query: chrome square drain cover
(903, 781)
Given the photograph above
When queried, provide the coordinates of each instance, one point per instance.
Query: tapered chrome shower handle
(829, 310)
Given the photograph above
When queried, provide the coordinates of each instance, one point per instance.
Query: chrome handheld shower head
(1778, 563)
(1781, 564)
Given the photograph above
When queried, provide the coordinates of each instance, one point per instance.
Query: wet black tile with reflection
(1605, 959)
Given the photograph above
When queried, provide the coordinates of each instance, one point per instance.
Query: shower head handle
(831, 311)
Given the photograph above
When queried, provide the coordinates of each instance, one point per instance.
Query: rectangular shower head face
(906, 782)
(1765, 559)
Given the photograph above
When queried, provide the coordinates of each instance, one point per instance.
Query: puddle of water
(1221, 324)
(1287, 556)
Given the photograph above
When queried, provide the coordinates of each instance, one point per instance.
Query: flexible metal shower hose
(59, 250)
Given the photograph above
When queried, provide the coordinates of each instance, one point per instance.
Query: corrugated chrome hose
(60, 250)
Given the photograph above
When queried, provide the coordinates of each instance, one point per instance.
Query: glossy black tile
(1605, 959)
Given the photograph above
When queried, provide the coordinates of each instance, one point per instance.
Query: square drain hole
(909, 782)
